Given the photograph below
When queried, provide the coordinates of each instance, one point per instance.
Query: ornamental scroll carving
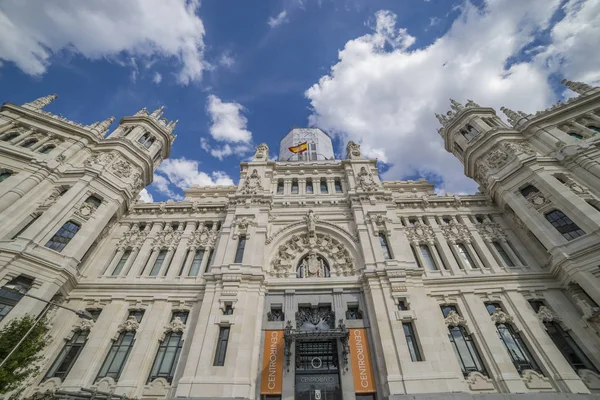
(133, 238)
(379, 223)
(454, 232)
(85, 210)
(241, 226)
(366, 181)
(312, 266)
(167, 238)
(538, 200)
(203, 238)
(420, 233)
(339, 259)
(315, 319)
(121, 168)
(83, 325)
(353, 150)
(545, 314)
(253, 184)
(130, 325)
(176, 326)
(454, 319)
(490, 231)
(101, 158)
(500, 317)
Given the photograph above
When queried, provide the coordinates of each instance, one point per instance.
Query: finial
(441, 118)
(577, 87)
(455, 105)
(40, 103)
(471, 103)
(158, 112)
(143, 111)
(103, 126)
(513, 117)
(171, 126)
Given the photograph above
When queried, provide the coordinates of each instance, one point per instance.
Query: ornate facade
(310, 279)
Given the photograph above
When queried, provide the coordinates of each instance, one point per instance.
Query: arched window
(564, 225)
(61, 239)
(4, 175)
(575, 136)
(47, 149)
(313, 265)
(9, 136)
(594, 128)
(28, 143)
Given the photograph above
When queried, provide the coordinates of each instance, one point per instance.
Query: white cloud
(146, 196)
(226, 60)
(384, 94)
(228, 125)
(183, 173)
(280, 19)
(157, 78)
(33, 31)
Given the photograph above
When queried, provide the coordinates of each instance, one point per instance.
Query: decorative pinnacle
(103, 126)
(171, 126)
(455, 105)
(158, 112)
(513, 117)
(42, 102)
(143, 111)
(577, 87)
(471, 103)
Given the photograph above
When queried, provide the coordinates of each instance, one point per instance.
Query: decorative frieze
(130, 325)
(454, 319)
(167, 238)
(203, 238)
(133, 238)
(490, 231)
(455, 232)
(420, 233)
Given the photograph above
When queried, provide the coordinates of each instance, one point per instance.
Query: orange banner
(361, 361)
(272, 366)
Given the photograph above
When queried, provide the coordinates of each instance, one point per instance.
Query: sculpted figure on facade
(366, 181)
(311, 220)
(253, 184)
(175, 326)
(454, 319)
(313, 266)
(353, 150)
(130, 325)
(500, 317)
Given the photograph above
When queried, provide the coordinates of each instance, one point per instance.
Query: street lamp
(80, 313)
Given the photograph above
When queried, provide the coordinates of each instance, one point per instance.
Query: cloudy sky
(237, 73)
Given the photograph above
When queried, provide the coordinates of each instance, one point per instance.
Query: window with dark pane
(10, 136)
(241, 246)
(536, 305)
(465, 256)
(384, 246)
(121, 263)
(67, 356)
(160, 259)
(309, 186)
(427, 257)
(403, 305)
(464, 347)
(64, 235)
(353, 312)
(168, 353)
(280, 186)
(416, 257)
(294, 186)
(527, 190)
(228, 309)
(507, 260)
(564, 225)
(4, 175)
(9, 297)
(28, 143)
(196, 263)
(222, 342)
(411, 341)
(568, 347)
(211, 258)
(517, 349)
(117, 356)
(338, 186)
(324, 188)
(47, 149)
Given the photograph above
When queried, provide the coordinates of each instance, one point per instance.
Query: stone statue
(353, 150)
(262, 152)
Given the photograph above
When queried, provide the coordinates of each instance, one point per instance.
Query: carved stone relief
(167, 238)
(538, 200)
(379, 223)
(454, 319)
(241, 226)
(262, 152)
(121, 168)
(340, 260)
(253, 184)
(420, 233)
(366, 181)
(490, 231)
(176, 326)
(315, 319)
(353, 150)
(130, 325)
(500, 317)
(545, 314)
(454, 232)
(133, 238)
(313, 266)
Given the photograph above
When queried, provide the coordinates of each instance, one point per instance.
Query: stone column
(493, 350)
(181, 251)
(330, 186)
(130, 260)
(39, 144)
(589, 284)
(287, 186)
(444, 248)
(145, 271)
(14, 194)
(582, 129)
(7, 127)
(138, 266)
(113, 263)
(136, 369)
(302, 186)
(550, 357)
(22, 137)
(480, 246)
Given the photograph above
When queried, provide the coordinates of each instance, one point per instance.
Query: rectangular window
(464, 255)
(403, 305)
(121, 263)
(338, 186)
(428, 257)
(384, 246)
(503, 254)
(464, 347)
(416, 257)
(211, 258)
(61, 239)
(353, 312)
(158, 263)
(309, 186)
(119, 351)
(196, 263)
(324, 186)
(280, 186)
(223, 340)
(294, 186)
(439, 253)
(527, 190)
(568, 347)
(67, 356)
(239, 253)
(168, 353)
(411, 341)
(9, 298)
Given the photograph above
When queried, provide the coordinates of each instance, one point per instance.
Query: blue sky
(238, 73)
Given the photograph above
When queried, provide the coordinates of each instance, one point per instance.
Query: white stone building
(312, 278)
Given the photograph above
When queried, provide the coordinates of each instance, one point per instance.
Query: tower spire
(40, 103)
(171, 126)
(513, 116)
(158, 112)
(577, 87)
(101, 127)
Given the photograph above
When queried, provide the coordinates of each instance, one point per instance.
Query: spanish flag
(300, 148)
